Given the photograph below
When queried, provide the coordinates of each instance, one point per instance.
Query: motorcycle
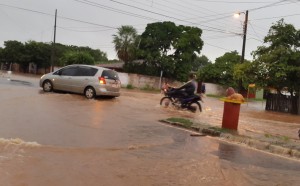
(179, 100)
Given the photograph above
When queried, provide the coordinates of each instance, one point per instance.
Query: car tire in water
(47, 86)
(195, 107)
(89, 92)
(166, 102)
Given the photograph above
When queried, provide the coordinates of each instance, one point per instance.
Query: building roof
(115, 66)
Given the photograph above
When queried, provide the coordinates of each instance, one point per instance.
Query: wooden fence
(282, 103)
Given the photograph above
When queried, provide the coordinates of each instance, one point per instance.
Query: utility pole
(53, 44)
(244, 46)
(244, 36)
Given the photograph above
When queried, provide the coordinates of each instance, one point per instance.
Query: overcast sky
(92, 23)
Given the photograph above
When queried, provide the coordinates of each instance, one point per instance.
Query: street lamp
(244, 40)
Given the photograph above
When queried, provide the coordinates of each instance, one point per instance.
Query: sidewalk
(254, 119)
(264, 130)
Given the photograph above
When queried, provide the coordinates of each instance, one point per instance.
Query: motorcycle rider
(183, 96)
(188, 89)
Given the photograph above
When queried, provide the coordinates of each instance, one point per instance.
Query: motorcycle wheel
(166, 102)
(194, 107)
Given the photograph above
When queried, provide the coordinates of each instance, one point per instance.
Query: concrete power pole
(244, 46)
(53, 44)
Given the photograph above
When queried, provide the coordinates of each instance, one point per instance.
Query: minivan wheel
(89, 92)
(47, 86)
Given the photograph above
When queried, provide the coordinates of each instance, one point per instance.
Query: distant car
(89, 80)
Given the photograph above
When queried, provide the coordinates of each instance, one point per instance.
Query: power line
(61, 17)
(115, 10)
(193, 5)
(275, 17)
(157, 7)
(218, 17)
(234, 2)
(218, 37)
(20, 25)
(278, 3)
(254, 30)
(209, 27)
(217, 47)
(64, 28)
(76, 20)
(183, 6)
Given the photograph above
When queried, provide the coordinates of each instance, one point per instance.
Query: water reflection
(228, 152)
(243, 156)
(15, 82)
(19, 82)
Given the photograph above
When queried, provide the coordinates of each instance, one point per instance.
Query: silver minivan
(83, 79)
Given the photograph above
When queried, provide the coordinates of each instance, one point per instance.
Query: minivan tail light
(102, 80)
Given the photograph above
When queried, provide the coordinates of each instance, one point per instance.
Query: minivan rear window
(110, 74)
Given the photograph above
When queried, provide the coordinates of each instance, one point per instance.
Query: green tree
(61, 50)
(1, 55)
(13, 51)
(36, 52)
(97, 54)
(200, 62)
(77, 58)
(245, 72)
(222, 70)
(170, 48)
(125, 43)
(40, 53)
(278, 62)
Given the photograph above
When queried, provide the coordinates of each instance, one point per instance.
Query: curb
(254, 143)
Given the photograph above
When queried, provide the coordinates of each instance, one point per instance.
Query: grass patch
(185, 122)
(281, 138)
(268, 135)
(129, 86)
(149, 88)
(222, 130)
(285, 138)
(213, 96)
(255, 99)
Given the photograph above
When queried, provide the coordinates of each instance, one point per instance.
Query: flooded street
(65, 139)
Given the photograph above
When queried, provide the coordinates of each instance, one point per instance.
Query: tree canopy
(277, 63)
(200, 62)
(221, 72)
(12, 51)
(39, 53)
(82, 57)
(167, 47)
(126, 41)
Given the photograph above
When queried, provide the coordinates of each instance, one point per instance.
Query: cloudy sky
(93, 22)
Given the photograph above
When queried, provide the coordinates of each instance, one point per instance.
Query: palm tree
(125, 43)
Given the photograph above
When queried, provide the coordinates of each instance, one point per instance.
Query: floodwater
(65, 139)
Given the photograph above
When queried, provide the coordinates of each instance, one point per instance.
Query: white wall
(215, 89)
(124, 78)
(140, 81)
